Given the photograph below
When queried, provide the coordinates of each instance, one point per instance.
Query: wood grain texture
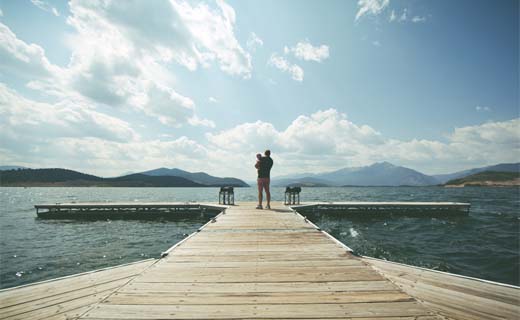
(259, 264)
(67, 297)
(451, 295)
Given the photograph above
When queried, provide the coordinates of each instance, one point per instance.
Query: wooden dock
(262, 264)
(122, 210)
(399, 208)
(140, 210)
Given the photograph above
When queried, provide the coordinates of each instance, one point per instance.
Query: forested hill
(488, 178)
(70, 178)
(199, 177)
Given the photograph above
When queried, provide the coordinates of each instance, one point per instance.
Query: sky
(110, 87)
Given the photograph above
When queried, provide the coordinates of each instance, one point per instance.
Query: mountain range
(381, 174)
(3, 168)
(198, 177)
(57, 177)
(487, 178)
(377, 174)
(503, 167)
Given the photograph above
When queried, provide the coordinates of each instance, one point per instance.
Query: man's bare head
(267, 153)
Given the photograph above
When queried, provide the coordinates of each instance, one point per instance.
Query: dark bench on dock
(292, 195)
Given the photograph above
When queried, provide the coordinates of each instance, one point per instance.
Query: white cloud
(109, 158)
(213, 31)
(254, 41)
(482, 109)
(392, 16)
(22, 59)
(303, 50)
(498, 134)
(376, 43)
(246, 137)
(324, 132)
(281, 63)
(166, 105)
(196, 121)
(1, 13)
(327, 140)
(120, 59)
(70, 135)
(212, 100)
(45, 6)
(377, 7)
(417, 19)
(31, 121)
(371, 7)
(404, 15)
(328, 132)
(190, 35)
(74, 136)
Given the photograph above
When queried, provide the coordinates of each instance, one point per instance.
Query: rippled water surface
(484, 244)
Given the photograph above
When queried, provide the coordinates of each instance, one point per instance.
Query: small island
(488, 179)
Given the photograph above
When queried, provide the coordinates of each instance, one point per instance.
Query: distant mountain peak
(377, 174)
(384, 164)
(199, 177)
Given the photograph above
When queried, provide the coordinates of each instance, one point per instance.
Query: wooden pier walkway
(259, 264)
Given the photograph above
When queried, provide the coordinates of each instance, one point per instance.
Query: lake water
(484, 244)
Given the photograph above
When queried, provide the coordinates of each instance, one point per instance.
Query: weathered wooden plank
(45, 302)
(432, 317)
(181, 270)
(457, 304)
(260, 257)
(280, 263)
(14, 296)
(62, 307)
(260, 249)
(288, 311)
(161, 298)
(503, 293)
(362, 275)
(456, 297)
(262, 287)
(252, 257)
(231, 254)
(73, 314)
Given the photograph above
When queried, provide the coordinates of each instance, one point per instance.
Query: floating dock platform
(139, 210)
(396, 208)
(122, 210)
(262, 264)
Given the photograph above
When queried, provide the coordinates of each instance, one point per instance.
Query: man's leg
(267, 192)
(260, 187)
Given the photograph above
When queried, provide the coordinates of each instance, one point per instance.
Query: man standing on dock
(264, 172)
